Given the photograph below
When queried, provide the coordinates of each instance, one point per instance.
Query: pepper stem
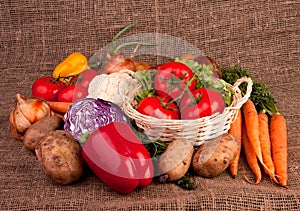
(84, 138)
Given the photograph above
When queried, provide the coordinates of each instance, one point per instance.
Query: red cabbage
(89, 114)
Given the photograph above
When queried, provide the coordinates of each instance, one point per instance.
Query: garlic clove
(33, 109)
(27, 112)
(16, 134)
(20, 122)
(39, 109)
(11, 119)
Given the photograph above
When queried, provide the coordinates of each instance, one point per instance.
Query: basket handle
(236, 85)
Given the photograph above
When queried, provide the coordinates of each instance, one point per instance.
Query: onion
(142, 66)
(27, 112)
(116, 59)
(118, 62)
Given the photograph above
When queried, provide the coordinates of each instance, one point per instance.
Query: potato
(39, 129)
(60, 157)
(214, 156)
(175, 161)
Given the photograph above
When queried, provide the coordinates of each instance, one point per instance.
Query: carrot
(252, 128)
(251, 156)
(278, 135)
(59, 107)
(265, 144)
(236, 130)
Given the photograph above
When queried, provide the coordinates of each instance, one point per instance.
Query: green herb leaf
(145, 93)
(260, 95)
(186, 182)
(155, 148)
(146, 78)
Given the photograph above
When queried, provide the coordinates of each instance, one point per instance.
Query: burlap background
(36, 34)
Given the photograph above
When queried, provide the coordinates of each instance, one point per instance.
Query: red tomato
(171, 79)
(80, 89)
(158, 107)
(204, 102)
(85, 77)
(47, 88)
(80, 92)
(66, 95)
(72, 93)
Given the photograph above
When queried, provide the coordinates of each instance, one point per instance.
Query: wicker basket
(197, 130)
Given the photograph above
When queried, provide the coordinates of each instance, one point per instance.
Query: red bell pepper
(118, 157)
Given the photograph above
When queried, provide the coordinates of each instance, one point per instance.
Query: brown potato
(39, 129)
(60, 157)
(213, 157)
(175, 161)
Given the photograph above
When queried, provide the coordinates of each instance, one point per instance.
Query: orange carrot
(265, 144)
(236, 130)
(250, 156)
(59, 107)
(252, 128)
(278, 135)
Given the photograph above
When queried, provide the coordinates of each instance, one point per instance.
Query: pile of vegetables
(60, 86)
(74, 120)
(182, 89)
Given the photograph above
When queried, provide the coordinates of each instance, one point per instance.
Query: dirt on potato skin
(59, 155)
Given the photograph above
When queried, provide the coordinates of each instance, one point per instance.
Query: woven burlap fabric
(263, 36)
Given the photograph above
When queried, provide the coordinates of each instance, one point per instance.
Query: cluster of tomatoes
(178, 97)
(63, 89)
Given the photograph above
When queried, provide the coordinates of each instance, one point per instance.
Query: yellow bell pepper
(74, 64)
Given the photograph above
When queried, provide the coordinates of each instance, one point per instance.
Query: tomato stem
(65, 79)
(186, 88)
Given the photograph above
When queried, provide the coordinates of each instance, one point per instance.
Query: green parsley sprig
(260, 95)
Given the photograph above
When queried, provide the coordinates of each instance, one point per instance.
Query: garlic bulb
(112, 87)
(27, 112)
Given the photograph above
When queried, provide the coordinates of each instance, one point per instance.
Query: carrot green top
(260, 95)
